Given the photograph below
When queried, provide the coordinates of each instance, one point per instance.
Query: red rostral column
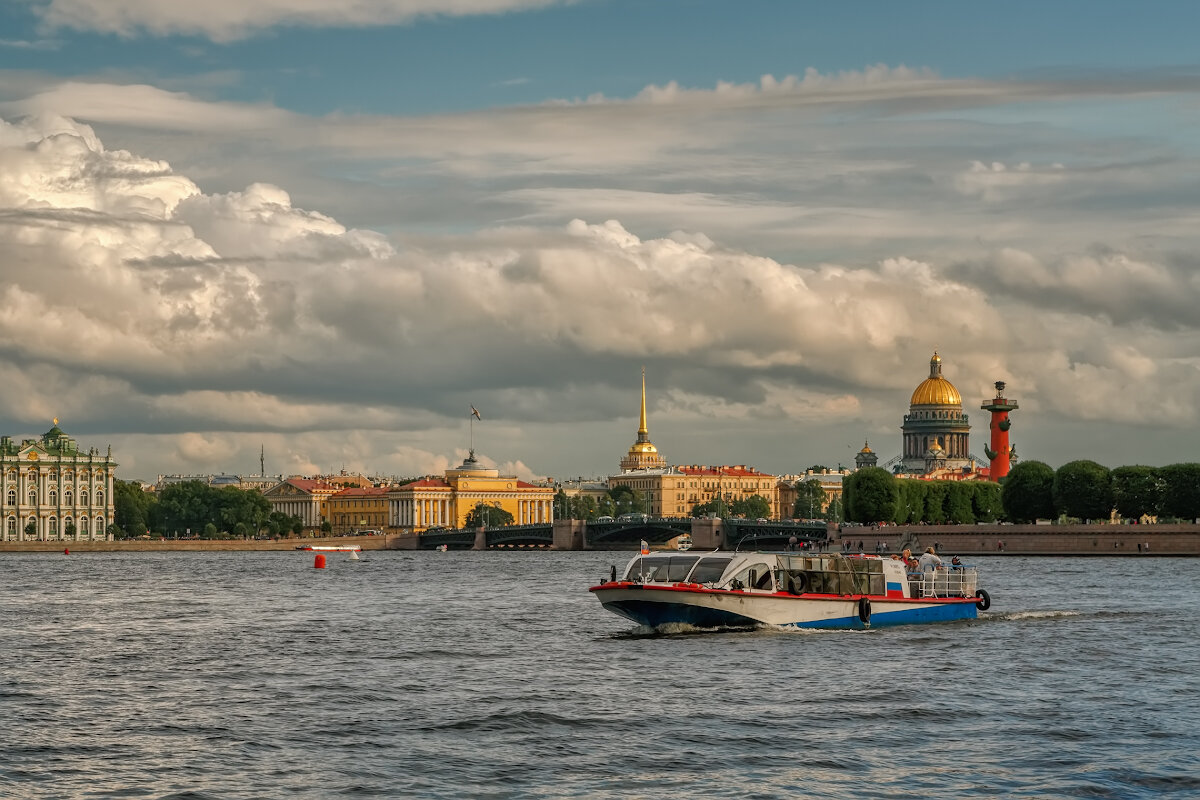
(998, 453)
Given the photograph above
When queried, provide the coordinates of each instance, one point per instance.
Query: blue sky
(330, 229)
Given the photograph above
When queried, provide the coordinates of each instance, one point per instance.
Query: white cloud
(216, 321)
(223, 20)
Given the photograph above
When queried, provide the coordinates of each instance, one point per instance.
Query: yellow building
(357, 509)
(305, 498)
(673, 491)
(433, 502)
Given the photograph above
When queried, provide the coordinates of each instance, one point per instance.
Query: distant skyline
(331, 231)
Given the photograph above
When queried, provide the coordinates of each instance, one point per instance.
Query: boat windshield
(661, 569)
(709, 570)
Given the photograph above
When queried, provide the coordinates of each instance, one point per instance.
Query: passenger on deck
(909, 560)
(929, 560)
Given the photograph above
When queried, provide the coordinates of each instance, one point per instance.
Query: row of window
(33, 473)
(52, 498)
(82, 526)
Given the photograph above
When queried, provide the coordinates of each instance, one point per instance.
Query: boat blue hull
(657, 613)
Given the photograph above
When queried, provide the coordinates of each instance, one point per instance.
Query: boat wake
(1011, 616)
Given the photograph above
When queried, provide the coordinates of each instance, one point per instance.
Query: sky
(326, 230)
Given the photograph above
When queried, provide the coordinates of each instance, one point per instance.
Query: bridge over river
(569, 534)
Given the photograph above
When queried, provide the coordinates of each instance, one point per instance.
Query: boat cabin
(826, 573)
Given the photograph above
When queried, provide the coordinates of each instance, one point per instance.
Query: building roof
(310, 485)
(358, 491)
(425, 483)
(935, 390)
(738, 471)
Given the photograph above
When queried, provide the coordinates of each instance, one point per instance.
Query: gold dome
(936, 390)
(643, 447)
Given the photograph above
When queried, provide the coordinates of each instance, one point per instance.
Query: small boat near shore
(787, 590)
(330, 548)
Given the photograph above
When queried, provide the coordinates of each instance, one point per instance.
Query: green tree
(132, 506)
(626, 500)
(935, 502)
(1027, 493)
(584, 506)
(562, 505)
(910, 501)
(870, 495)
(31, 528)
(959, 508)
(753, 507)
(488, 516)
(297, 526)
(985, 501)
(1083, 489)
(117, 531)
(1181, 490)
(810, 499)
(1137, 490)
(605, 506)
(326, 527)
(210, 531)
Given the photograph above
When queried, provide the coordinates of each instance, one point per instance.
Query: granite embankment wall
(205, 545)
(1041, 540)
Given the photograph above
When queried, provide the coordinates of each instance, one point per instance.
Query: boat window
(755, 576)
(638, 569)
(679, 566)
(709, 570)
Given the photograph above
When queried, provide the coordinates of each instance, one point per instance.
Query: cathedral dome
(936, 390)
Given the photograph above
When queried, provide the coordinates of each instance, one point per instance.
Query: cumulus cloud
(223, 20)
(199, 325)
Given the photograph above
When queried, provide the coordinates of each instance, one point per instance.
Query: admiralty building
(53, 491)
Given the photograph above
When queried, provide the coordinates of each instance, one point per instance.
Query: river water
(498, 675)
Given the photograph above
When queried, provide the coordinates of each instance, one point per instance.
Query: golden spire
(642, 430)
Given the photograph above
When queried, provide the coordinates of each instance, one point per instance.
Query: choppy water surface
(497, 675)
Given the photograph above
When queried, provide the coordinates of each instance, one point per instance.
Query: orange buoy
(66, 551)
(319, 561)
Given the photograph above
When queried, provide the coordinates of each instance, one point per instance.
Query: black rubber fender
(983, 600)
(864, 610)
(798, 583)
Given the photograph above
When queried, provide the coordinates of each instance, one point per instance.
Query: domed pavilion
(936, 431)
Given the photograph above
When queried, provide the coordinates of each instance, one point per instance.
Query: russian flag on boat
(895, 590)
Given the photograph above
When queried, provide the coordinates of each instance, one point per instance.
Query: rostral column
(999, 453)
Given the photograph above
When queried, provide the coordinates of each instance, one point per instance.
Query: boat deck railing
(953, 581)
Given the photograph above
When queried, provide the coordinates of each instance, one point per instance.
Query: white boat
(330, 548)
(788, 590)
(684, 542)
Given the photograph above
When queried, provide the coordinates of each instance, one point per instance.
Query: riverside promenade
(387, 542)
(991, 539)
(1026, 540)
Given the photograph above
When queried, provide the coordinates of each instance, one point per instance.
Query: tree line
(620, 500)
(1077, 491)
(193, 508)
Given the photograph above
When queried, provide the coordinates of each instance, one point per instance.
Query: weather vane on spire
(474, 416)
